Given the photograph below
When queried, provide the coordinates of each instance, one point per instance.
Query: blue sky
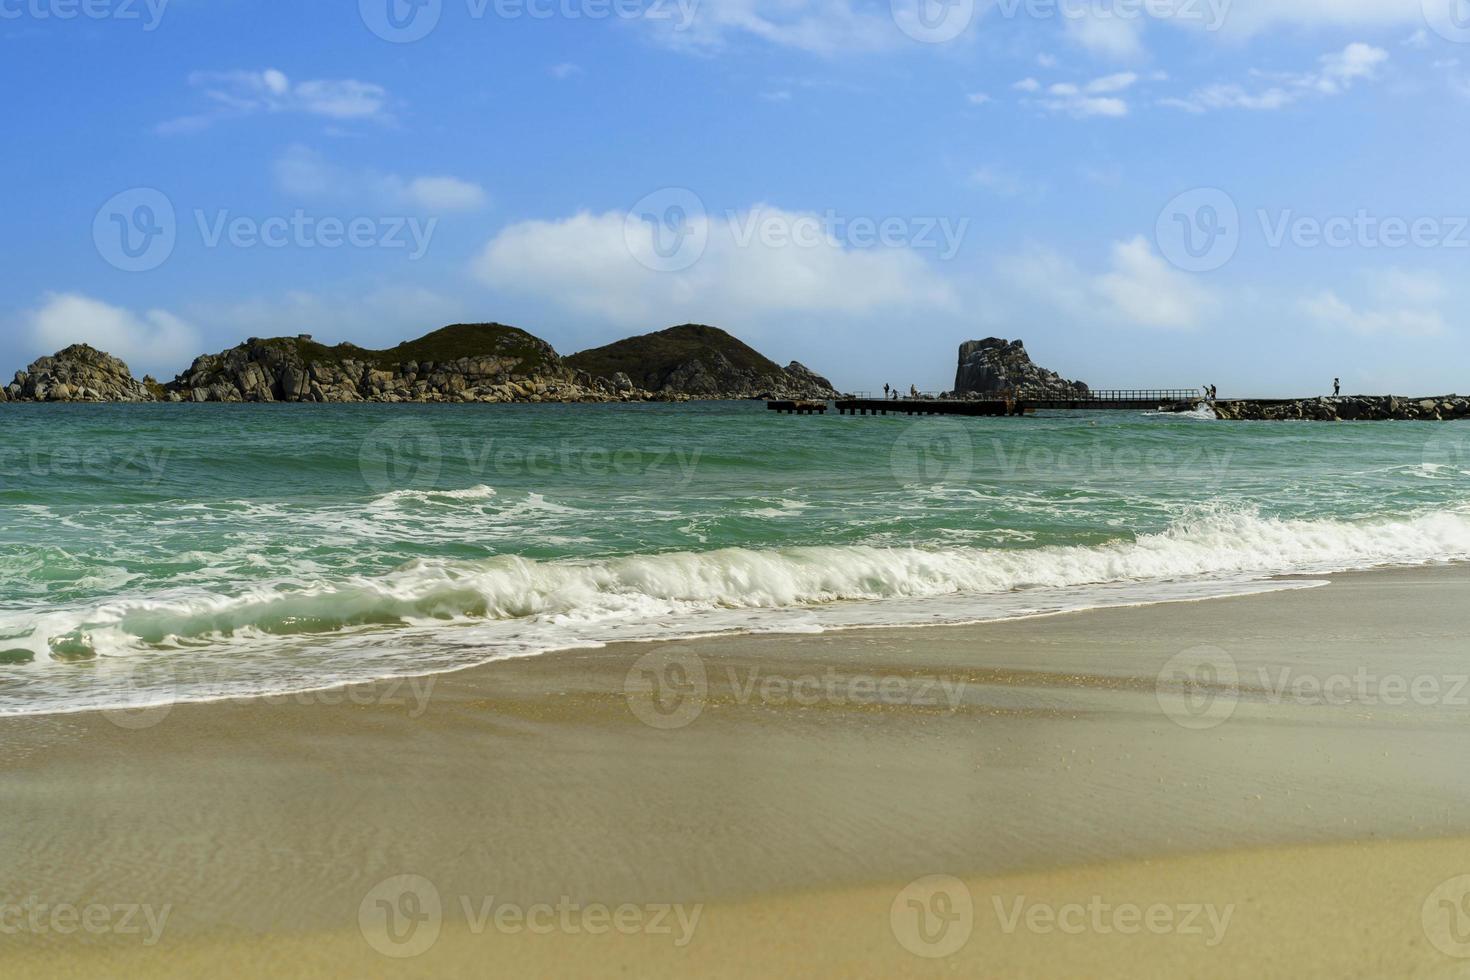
(1261, 194)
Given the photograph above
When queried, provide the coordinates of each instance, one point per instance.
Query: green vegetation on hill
(447, 344)
(476, 340)
(649, 359)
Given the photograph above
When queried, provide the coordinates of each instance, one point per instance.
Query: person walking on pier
(886, 390)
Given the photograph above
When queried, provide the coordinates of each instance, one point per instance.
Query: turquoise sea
(157, 553)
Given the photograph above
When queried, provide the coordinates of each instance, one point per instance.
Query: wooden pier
(798, 408)
(1001, 404)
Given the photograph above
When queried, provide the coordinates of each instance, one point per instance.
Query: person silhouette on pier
(886, 390)
(1336, 387)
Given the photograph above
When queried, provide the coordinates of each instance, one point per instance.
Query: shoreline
(1043, 752)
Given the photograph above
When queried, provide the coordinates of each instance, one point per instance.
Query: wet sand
(1297, 757)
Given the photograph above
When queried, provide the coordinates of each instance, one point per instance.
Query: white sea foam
(672, 588)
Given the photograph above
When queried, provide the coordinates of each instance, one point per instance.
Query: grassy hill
(447, 344)
(649, 359)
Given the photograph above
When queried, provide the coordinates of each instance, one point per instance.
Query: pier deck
(1005, 403)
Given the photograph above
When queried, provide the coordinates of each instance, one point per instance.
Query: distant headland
(466, 362)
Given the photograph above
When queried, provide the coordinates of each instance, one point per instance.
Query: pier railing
(1159, 395)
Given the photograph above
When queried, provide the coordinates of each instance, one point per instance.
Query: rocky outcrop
(508, 365)
(994, 365)
(79, 374)
(483, 362)
(698, 361)
(1356, 408)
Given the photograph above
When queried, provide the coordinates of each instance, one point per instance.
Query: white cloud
(587, 263)
(1003, 183)
(444, 194)
(1108, 35)
(1139, 289)
(303, 172)
(1332, 312)
(1223, 96)
(1400, 303)
(1112, 83)
(820, 27)
(1341, 69)
(1098, 97)
(1335, 74)
(155, 342)
(564, 70)
(1249, 17)
(1027, 85)
(1144, 289)
(978, 98)
(245, 93)
(1046, 60)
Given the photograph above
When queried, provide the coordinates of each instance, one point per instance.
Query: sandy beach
(1269, 785)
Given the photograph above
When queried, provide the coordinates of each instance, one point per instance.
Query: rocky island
(484, 362)
(995, 365)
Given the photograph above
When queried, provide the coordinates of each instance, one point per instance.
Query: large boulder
(80, 373)
(995, 365)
